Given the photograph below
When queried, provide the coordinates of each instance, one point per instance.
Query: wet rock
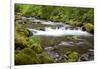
(71, 28)
(87, 57)
(68, 43)
(48, 48)
(77, 28)
(84, 58)
(36, 21)
(42, 29)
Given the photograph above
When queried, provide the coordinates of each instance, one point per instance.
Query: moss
(89, 27)
(72, 56)
(34, 43)
(22, 30)
(22, 59)
(33, 54)
(20, 42)
(37, 49)
(45, 58)
(33, 40)
(30, 52)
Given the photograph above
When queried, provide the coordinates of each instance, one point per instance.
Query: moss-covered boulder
(20, 42)
(71, 56)
(45, 58)
(35, 44)
(22, 59)
(33, 54)
(29, 52)
(88, 27)
(22, 30)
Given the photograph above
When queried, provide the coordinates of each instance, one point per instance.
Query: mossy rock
(33, 40)
(33, 54)
(89, 27)
(23, 59)
(20, 42)
(22, 30)
(72, 56)
(29, 52)
(35, 44)
(44, 57)
(37, 49)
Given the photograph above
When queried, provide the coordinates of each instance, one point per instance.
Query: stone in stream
(66, 28)
(42, 29)
(53, 54)
(87, 57)
(36, 21)
(68, 43)
(71, 28)
(77, 28)
(48, 48)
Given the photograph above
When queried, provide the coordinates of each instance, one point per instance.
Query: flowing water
(58, 38)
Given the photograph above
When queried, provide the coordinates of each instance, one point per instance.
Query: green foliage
(61, 13)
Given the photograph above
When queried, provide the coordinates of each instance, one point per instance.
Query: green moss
(22, 59)
(45, 58)
(20, 42)
(35, 44)
(37, 49)
(72, 56)
(30, 52)
(33, 41)
(89, 27)
(33, 54)
(22, 30)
